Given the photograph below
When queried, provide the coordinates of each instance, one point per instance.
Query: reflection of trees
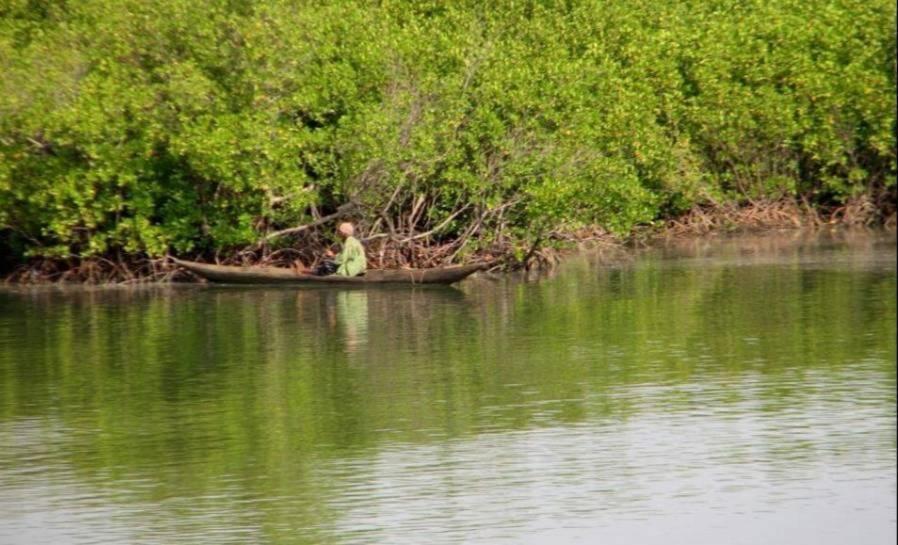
(185, 387)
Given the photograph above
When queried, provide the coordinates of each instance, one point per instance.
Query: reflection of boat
(279, 275)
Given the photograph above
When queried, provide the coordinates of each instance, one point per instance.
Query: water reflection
(716, 390)
(352, 312)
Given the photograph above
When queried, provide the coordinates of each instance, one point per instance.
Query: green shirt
(351, 260)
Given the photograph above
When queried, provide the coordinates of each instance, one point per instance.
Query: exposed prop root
(786, 214)
(397, 242)
(97, 270)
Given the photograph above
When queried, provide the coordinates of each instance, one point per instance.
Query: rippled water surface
(729, 391)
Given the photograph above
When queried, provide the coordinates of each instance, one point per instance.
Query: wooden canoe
(279, 275)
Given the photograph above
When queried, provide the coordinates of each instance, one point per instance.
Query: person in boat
(351, 261)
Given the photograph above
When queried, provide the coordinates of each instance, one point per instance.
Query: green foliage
(196, 126)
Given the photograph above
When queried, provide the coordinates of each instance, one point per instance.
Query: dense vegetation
(200, 126)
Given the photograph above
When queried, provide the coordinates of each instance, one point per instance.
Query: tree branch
(341, 211)
(438, 227)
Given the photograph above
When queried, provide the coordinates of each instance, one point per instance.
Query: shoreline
(698, 223)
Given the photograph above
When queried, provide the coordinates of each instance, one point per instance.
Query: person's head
(345, 230)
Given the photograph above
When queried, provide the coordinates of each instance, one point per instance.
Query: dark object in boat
(280, 275)
(325, 268)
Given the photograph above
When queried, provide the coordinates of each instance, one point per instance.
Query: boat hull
(230, 274)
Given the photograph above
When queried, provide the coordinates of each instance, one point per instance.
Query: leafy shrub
(197, 126)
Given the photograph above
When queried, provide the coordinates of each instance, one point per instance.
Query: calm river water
(714, 392)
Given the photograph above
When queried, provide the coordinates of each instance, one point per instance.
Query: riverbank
(421, 252)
